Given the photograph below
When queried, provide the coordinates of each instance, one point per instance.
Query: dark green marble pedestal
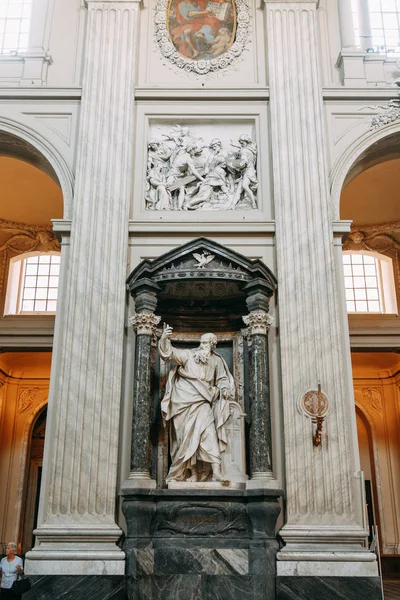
(201, 544)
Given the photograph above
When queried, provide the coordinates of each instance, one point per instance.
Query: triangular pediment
(202, 259)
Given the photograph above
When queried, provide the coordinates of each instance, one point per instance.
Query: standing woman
(11, 567)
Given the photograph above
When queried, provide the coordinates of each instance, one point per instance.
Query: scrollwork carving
(372, 239)
(387, 113)
(26, 398)
(374, 398)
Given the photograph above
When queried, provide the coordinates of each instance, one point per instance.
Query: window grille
(384, 16)
(14, 25)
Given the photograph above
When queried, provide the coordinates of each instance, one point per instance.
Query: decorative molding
(374, 238)
(26, 398)
(374, 398)
(202, 67)
(60, 124)
(258, 321)
(387, 113)
(28, 238)
(144, 323)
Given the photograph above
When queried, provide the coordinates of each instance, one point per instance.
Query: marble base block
(201, 544)
(206, 485)
(328, 588)
(73, 587)
(134, 482)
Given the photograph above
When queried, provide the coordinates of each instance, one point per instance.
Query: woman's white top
(9, 571)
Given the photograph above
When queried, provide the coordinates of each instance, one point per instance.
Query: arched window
(378, 23)
(33, 283)
(369, 283)
(14, 25)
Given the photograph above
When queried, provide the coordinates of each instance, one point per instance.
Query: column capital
(258, 321)
(145, 322)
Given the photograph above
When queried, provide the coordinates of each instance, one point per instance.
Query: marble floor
(391, 589)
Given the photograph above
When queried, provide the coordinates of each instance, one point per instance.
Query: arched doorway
(33, 479)
(32, 182)
(370, 199)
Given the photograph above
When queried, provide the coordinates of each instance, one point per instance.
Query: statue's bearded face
(202, 353)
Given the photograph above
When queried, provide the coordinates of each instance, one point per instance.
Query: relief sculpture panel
(186, 173)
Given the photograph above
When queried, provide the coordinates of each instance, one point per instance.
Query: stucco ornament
(202, 37)
(387, 113)
(185, 173)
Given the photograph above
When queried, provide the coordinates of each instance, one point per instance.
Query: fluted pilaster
(77, 507)
(322, 502)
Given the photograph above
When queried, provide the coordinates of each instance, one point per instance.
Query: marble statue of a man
(196, 408)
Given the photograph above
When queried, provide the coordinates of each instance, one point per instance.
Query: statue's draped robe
(195, 410)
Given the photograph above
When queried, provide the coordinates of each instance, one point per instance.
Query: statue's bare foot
(216, 473)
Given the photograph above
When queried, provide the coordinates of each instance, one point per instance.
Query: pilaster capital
(144, 323)
(113, 4)
(258, 321)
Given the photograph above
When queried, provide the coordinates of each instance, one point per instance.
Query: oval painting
(201, 29)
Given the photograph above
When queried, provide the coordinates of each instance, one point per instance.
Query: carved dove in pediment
(203, 259)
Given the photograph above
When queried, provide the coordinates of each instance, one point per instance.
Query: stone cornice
(42, 92)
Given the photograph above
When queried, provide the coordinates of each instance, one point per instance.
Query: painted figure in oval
(201, 29)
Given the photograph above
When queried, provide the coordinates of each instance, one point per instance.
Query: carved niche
(197, 288)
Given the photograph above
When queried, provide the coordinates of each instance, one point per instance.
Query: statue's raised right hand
(167, 331)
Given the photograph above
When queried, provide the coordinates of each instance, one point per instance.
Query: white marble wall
(77, 532)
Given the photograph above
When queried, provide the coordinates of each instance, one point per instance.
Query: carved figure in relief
(215, 178)
(196, 408)
(183, 173)
(247, 156)
(183, 165)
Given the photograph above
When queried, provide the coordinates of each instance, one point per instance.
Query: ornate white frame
(202, 67)
(193, 114)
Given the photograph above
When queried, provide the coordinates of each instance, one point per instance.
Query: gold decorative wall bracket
(317, 437)
(315, 405)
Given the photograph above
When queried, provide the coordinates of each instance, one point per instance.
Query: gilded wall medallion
(201, 29)
(202, 36)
